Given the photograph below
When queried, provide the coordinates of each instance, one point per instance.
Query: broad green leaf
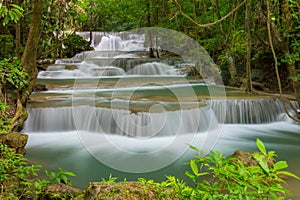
(190, 175)
(262, 162)
(261, 146)
(194, 148)
(280, 165)
(288, 174)
(69, 173)
(194, 167)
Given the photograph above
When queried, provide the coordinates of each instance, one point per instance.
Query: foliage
(16, 175)
(10, 12)
(13, 84)
(217, 177)
(15, 172)
(74, 44)
(4, 120)
(293, 35)
(213, 177)
(59, 18)
(297, 77)
(53, 177)
(110, 179)
(12, 74)
(6, 45)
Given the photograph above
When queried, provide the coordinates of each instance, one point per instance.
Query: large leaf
(280, 165)
(194, 167)
(260, 145)
(289, 174)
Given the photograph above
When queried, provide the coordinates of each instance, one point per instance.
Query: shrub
(15, 173)
(19, 179)
(219, 177)
(74, 44)
(12, 73)
(4, 120)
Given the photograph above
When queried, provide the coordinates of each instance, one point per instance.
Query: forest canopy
(254, 43)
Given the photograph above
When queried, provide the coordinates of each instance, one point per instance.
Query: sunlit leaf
(261, 146)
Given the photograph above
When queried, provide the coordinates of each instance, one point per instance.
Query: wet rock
(15, 141)
(60, 191)
(40, 87)
(247, 158)
(126, 190)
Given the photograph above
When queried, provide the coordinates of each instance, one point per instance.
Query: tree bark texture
(29, 56)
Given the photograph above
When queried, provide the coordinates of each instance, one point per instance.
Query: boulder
(15, 141)
(126, 190)
(60, 191)
(248, 160)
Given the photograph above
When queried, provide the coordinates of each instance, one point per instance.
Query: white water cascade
(120, 122)
(255, 111)
(116, 111)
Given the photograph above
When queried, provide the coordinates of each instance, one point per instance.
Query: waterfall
(83, 69)
(124, 41)
(154, 68)
(110, 43)
(252, 111)
(120, 122)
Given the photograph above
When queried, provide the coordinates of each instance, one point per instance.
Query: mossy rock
(248, 160)
(127, 190)
(59, 191)
(15, 141)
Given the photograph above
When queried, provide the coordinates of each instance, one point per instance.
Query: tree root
(285, 101)
(20, 116)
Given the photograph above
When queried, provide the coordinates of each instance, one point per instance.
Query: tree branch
(272, 48)
(209, 24)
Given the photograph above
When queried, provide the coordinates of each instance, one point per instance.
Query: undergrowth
(213, 177)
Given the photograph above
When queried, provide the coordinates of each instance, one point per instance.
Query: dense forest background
(255, 43)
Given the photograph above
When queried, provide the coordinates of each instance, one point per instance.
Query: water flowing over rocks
(118, 111)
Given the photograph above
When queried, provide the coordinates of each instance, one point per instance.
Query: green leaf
(69, 173)
(288, 174)
(194, 167)
(261, 146)
(262, 161)
(280, 165)
(194, 148)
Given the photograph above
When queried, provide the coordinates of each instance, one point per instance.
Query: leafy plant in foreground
(15, 172)
(17, 177)
(53, 177)
(219, 177)
(5, 126)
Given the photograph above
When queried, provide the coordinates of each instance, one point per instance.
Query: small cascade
(110, 43)
(83, 69)
(153, 68)
(110, 54)
(95, 70)
(130, 40)
(120, 122)
(253, 111)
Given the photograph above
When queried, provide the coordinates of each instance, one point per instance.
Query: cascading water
(114, 111)
(119, 122)
(256, 111)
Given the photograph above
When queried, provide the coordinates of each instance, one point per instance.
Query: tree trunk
(272, 48)
(229, 58)
(18, 35)
(29, 56)
(18, 39)
(151, 51)
(248, 57)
